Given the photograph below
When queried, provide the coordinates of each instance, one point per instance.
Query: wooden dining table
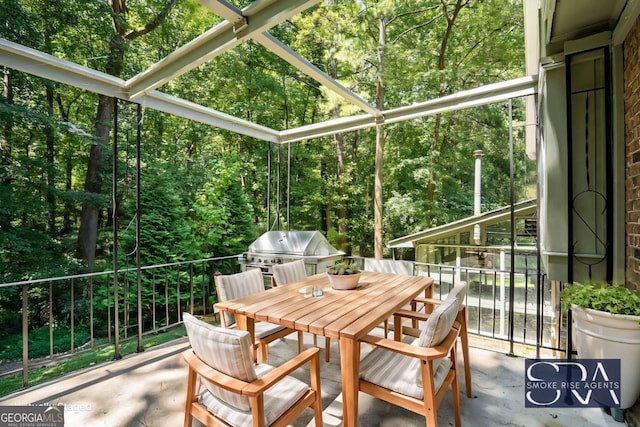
(344, 315)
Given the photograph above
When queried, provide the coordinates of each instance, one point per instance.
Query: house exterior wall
(632, 154)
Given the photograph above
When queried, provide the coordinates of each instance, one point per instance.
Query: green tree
(223, 220)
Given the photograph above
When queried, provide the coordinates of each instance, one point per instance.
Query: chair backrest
(225, 350)
(289, 272)
(232, 286)
(458, 292)
(388, 266)
(439, 323)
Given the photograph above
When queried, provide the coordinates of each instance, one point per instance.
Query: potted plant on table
(344, 275)
(606, 324)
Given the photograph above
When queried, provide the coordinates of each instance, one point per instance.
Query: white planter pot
(345, 281)
(602, 335)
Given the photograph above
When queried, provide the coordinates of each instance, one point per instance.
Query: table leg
(248, 324)
(350, 362)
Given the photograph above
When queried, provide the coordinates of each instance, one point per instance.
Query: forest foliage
(207, 192)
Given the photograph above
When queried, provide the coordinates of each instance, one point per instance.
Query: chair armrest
(423, 353)
(408, 314)
(208, 373)
(270, 378)
(431, 301)
(412, 332)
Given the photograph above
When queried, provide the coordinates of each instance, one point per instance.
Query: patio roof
(524, 209)
(239, 26)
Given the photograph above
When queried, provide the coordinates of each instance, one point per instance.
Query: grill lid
(301, 243)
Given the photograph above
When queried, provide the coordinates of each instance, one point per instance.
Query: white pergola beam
(224, 10)
(286, 53)
(31, 61)
(487, 94)
(192, 111)
(258, 17)
(482, 95)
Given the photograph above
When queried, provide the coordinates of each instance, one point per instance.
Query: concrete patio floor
(148, 389)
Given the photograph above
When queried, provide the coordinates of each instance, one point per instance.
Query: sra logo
(571, 383)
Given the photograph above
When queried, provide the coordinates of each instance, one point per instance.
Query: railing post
(73, 312)
(108, 311)
(91, 337)
(50, 319)
(205, 288)
(178, 295)
(166, 296)
(153, 297)
(138, 225)
(191, 299)
(25, 337)
(114, 194)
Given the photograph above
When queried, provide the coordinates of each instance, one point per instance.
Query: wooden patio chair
(458, 293)
(291, 272)
(232, 391)
(232, 286)
(416, 375)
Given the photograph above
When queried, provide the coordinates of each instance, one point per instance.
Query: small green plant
(615, 299)
(343, 268)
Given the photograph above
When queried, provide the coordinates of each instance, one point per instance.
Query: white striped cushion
(388, 266)
(458, 292)
(277, 400)
(398, 372)
(264, 329)
(439, 323)
(225, 350)
(289, 272)
(232, 286)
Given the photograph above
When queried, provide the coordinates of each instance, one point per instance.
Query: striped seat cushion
(225, 350)
(277, 400)
(264, 329)
(397, 372)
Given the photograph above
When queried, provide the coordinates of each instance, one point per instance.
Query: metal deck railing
(85, 305)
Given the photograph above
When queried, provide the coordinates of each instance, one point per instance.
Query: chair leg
(464, 339)
(327, 349)
(191, 391)
(316, 387)
(455, 389)
(263, 352)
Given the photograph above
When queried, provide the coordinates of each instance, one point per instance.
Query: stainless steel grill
(277, 247)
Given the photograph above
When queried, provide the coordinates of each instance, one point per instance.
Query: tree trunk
(87, 235)
(436, 145)
(5, 149)
(380, 141)
(51, 180)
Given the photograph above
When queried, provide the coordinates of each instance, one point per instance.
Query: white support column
(476, 195)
